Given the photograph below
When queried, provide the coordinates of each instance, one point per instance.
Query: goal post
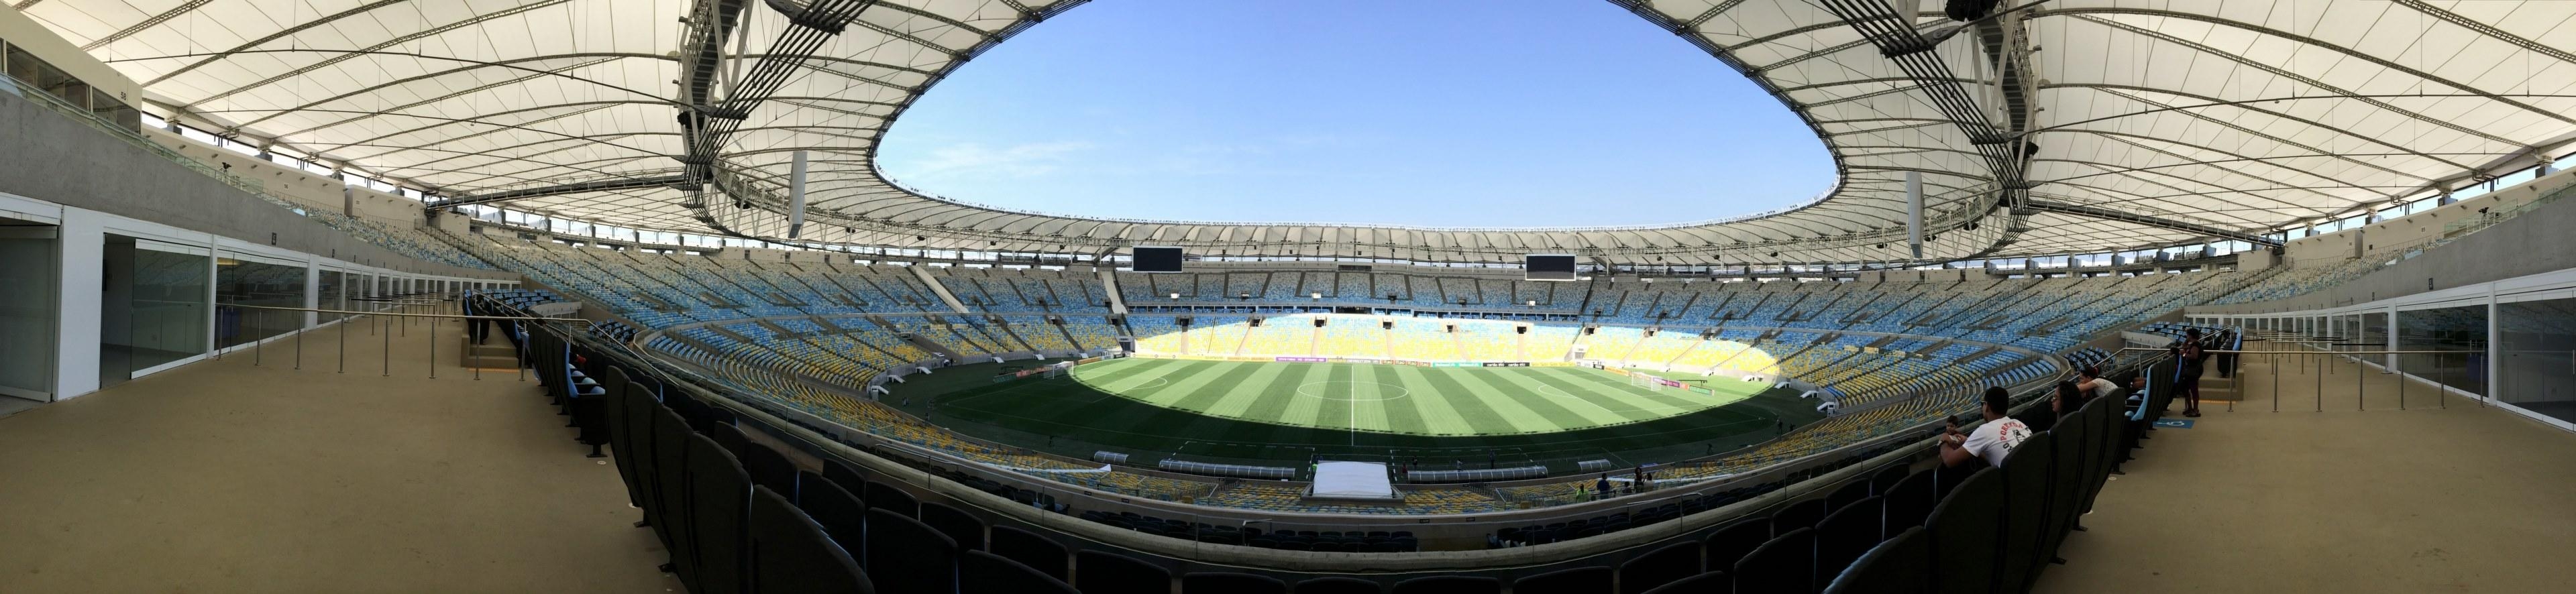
(1644, 381)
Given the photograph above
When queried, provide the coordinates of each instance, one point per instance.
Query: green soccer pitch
(1275, 412)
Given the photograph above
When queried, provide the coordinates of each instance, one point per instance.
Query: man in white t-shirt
(1992, 440)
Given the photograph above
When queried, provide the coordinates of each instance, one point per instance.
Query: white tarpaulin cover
(1353, 480)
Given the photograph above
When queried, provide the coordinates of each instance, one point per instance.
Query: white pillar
(312, 289)
(2388, 338)
(83, 252)
(2495, 365)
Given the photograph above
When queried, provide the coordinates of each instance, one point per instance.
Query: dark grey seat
(791, 553)
(980, 572)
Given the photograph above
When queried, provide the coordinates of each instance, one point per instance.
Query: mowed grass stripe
(1602, 406)
(1272, 405)
(1601, 402)
(1458, 409)
(1475, 403)
(1368, 404)
(1393, 414)
(1304, 408)
(1273, 397)
(1631, 402)
(1264, 380)
(1128, 377)
(1333, 401)
(1122, 373)
(1187, 384)
(1050, 412)
(1228, 385)
(1667, 398)
(1520, 401)
(1206, 389)
(1086, 418)
(1431, 413)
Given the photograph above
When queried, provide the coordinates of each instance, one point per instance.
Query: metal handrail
(2215, 351)
(2360, 390)
(410, 315)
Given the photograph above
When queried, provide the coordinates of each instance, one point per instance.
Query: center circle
(1348, 390)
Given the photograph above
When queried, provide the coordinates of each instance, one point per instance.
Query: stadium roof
(2040, 127)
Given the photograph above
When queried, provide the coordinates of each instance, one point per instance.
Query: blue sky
(1504, 113)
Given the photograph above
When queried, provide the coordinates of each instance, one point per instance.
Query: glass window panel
(2446, 329)
(2372, 334)
(328, 296)
(2536, 345)
(27, 313)
(154, 307)
(241, 281)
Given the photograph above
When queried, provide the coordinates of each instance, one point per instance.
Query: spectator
(476, 329)
(2091, 382)
(1990, 441)
(2070, 398)
(2188, 360)
(1601, 489)
(2062, 392)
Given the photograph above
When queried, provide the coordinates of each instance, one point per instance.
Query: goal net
(1644, 381)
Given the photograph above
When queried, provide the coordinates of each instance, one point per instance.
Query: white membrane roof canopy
(2038, 126)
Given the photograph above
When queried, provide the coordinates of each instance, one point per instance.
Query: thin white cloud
(973, 159)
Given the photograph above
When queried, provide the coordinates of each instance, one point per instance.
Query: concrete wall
(54, 158)
(312, 190)
(2412, 229)
(2536, 242)
(36, 39)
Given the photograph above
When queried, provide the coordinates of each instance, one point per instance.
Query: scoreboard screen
(1548, 267)
(1158, 259)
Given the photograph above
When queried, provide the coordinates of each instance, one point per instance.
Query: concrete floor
(2427, 499)
(225, 476)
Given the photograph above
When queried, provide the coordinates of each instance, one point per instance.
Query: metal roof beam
(571, 188)
(2152, 221)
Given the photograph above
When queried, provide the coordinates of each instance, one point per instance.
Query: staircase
(494, 354)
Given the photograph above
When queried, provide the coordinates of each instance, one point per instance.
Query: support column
(76, 332)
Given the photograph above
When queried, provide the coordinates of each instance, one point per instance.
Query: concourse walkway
(2444, 496)
(230, 476)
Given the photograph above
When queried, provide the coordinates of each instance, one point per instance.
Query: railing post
(2274, 362)
(433, 348)
(2464, 370)
(2441, 391)
(389, 346)
(257, 347)
(299, 341)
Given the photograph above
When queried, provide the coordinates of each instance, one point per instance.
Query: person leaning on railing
(2091, 383)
